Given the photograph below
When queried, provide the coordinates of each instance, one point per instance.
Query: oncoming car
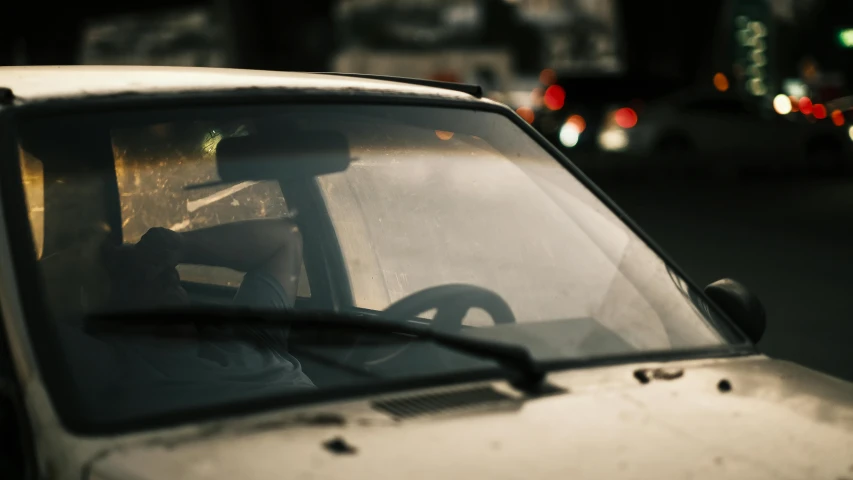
(217, 274)
(713, 131)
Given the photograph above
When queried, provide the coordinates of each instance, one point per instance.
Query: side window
(68, 246)
(167, 177)
(32, 171)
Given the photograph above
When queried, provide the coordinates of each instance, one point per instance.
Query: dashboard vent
(443, 401)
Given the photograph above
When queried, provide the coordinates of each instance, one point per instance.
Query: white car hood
(777, 421)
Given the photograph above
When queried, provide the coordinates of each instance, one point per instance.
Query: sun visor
(294, 154)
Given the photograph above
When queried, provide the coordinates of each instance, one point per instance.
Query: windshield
(442, 215)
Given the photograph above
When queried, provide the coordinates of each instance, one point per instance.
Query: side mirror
(741, 305)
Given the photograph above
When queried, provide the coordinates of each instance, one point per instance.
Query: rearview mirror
(741, 305)
(294, 154)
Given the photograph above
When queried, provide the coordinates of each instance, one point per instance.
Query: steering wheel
(451, 302)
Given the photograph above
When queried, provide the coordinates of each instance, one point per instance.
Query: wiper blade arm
(515, 357)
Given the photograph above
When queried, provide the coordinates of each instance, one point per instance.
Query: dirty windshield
(392, 211)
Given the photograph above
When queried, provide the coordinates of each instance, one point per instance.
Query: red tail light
(625, 117)
(555, 97)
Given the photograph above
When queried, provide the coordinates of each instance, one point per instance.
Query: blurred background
(723, 127)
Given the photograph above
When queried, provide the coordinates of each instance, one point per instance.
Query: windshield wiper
(514, 357)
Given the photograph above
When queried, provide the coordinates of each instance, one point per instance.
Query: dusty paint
(226, 428)
(231, 428)
(782, 422)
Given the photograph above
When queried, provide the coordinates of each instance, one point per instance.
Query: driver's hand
(161, 248)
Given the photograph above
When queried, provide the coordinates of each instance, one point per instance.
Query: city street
(788, 240)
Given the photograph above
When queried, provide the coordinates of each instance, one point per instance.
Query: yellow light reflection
(721, 83)
(443, 135)
(33, 177)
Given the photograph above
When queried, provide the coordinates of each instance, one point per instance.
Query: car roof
(41, 83)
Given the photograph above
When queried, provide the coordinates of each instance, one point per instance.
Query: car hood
(749, 418)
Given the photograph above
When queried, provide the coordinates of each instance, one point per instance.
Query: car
(716, 131)
(238, 274)
(575, 113)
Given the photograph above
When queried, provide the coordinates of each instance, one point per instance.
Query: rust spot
(642, 376)
(339, 446)
(724, 386)
(718, 460)
(668, 373)
(645, 375)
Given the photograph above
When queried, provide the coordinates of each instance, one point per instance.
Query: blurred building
(826, 34)
(180, 37)
(270, 34)
(671, 42)
(578, 36)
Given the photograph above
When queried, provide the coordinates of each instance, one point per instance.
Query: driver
(144, 276)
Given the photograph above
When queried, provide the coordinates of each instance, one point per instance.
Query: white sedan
(225, 274)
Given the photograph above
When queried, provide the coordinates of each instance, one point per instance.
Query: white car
(225, 274)
(712, 130)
